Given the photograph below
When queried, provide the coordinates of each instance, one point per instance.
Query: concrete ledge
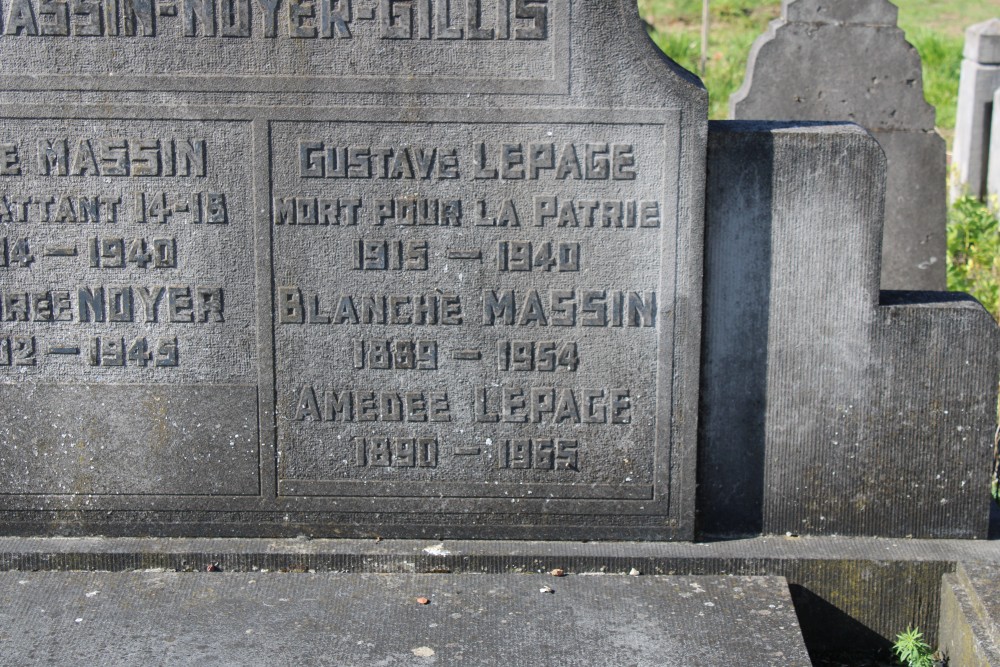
(350, 620)
(970, 615)
(856, 592)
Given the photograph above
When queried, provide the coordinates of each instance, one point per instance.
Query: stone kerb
(861, 413)
(848, 61)
(980, 78)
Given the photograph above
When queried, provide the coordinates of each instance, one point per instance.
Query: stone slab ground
(170, 618)
(856, 593)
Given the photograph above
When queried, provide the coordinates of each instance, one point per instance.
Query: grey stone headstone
(381, 267)
(838, 61)
(858, 412)
(979, 81)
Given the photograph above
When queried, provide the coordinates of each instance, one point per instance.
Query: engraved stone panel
(347, 267)
(127, 353)
(302, 45)
(476, 308)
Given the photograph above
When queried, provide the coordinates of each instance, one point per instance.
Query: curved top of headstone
(835, 60)
(982, 42)
(862, 12)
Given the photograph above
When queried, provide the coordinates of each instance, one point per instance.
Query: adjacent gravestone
(859, 411)
(849, 61)
(993, 161)
(373, 267)
(979, 81)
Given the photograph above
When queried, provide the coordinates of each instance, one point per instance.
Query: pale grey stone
(980, 78)
(982, 42)
(852, 12)
(835, 61)
(993, 161)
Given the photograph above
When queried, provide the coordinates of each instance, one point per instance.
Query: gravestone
(369, 267)
(854, 416)
(979, 81)
(993, 160)
(413, 268)
(847, 61)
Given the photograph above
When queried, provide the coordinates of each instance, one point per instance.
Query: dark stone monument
(861, 412)
(847, 61)
(298, 266)
(434, 269)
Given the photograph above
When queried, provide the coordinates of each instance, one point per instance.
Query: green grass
(735, 24)
(911, 649)
(974, 252)
(941, 56)
(935, 27)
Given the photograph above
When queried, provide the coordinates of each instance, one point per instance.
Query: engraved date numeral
(538, 454)
(402, 355)
(383, 255)
(396, 452)
(17, 351)
(120, 352)
(15, 253)
(544, 356)
(117, 253)
(200, 207)
(528, 256)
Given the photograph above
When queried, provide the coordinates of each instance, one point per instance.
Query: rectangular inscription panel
(476, 309)
(128, 360)
(286, 45)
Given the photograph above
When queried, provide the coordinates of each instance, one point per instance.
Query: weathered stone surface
(849, 593)
(982, 42)
(969, 630)
(853, 12)
(836, 61)
(850, 419)
(369, 268)
(980, 78)
(993, 166)
(367, 619)
(834, 72)
(914, 239)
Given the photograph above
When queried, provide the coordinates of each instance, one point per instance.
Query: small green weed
(912, 650)
(974, 252)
